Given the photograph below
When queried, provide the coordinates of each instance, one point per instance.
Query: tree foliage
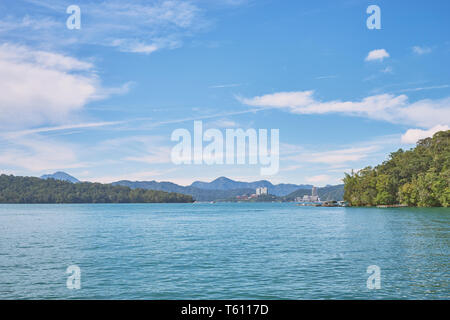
(417, 177)
(34, 190)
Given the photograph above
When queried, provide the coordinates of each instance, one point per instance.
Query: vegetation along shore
(419, 177)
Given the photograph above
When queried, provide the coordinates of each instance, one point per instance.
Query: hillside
(325, 193)
(417, 177)
(197, 193)
(34, 190)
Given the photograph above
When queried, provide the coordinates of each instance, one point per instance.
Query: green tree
(416, 177)
(34, 190)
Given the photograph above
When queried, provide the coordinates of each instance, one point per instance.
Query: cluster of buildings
(314, 197)
(259, 192)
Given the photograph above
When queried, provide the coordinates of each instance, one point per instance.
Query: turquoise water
(222, 251)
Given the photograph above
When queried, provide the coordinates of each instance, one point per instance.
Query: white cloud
(413, 135)
(144, 48)
(44, 59)
(134, 46)
(42, 86)
(385, 107)
(421, 50)
(294, 99)
(222, 123)
(45, 87)
(425, 113)
(378, 54)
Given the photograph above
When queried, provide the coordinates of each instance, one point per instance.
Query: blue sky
(101, 102)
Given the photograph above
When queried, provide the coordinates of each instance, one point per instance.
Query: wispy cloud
(425, 88)
(16, 134)
(37, 154)
(290, 168)
(384, 107)
(139, 148)
(421, 50)
(326, 77)
(9, 24)
(387, 70)
(222, 123)
(333, 163)
(135, 26)
(232, 85)
(342, 156)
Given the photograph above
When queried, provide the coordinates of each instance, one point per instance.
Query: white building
(261, 191)
(314, 197)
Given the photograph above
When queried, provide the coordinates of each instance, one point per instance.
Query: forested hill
(34, 190)
(417, 177)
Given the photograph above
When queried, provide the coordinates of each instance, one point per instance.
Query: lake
(222, 251)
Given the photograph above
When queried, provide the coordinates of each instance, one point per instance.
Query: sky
(101, 102)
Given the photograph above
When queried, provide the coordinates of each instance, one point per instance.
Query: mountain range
(221, 188)
(224, 183)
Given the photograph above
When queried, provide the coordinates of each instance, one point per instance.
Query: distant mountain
(60, 176)
(332, 193)
(224, 183)
(325, 193)
(220, 189)
(197, 193)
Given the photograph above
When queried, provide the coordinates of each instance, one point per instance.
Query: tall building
(314, 197)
